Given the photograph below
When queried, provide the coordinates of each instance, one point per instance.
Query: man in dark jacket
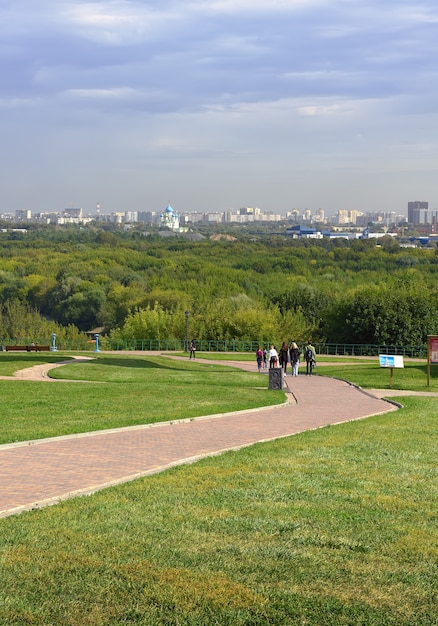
(310, 356)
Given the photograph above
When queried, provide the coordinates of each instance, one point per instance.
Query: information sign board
(391, 360)
(433, 349)
(432, 353)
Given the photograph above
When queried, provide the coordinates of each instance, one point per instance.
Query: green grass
(219, 356)
(371, 376)
(332, 527)
(245, 356)
(125, 391)
(10, 362)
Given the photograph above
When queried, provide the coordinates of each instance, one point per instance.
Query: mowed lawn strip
(249, 356)
(125, 391)
(327, 528)
(413, 376)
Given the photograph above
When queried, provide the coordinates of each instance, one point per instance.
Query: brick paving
(39, 473)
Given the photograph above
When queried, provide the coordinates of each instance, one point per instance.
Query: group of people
(287, 354)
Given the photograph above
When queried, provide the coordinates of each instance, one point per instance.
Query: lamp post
(187, 331)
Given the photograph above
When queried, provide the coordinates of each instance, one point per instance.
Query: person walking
(273, 357)
(284, 356)
(294, 354)
(310, 356)
(259, 358)
(265, 358)
(193, 349)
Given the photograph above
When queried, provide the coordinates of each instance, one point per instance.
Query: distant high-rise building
(343, 216)
(23, 214)
(72, 213)
(307, 215)
(148, 217)
(131, 217)
(417, 212)
(249, 210)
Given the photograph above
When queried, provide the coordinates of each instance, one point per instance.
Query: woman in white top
(273, 357)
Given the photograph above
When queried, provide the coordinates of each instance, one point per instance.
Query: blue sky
(213, 104)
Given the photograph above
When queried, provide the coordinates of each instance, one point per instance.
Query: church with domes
(169, 219)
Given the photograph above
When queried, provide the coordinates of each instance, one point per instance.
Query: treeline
(259, 288)
(21, 322)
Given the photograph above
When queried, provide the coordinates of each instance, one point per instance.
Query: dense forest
(262, 287)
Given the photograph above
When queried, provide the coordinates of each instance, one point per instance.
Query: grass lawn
(245, 356)
(333, 527)
(220, 356)
(10, 362)
(125, 391)
(371, 376)
(327, 528)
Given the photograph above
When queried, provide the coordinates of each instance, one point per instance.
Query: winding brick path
(39, 473)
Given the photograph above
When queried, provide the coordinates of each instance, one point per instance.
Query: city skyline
(218, 104)
(171, 217)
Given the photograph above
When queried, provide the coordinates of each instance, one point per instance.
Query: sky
(216, 104)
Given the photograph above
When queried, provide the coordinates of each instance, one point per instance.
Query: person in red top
(259, 358)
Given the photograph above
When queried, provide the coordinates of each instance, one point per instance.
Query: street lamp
(187, 331)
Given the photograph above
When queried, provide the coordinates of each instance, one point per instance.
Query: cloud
(118, 23)
(221, 81)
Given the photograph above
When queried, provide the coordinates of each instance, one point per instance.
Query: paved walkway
(42, 472)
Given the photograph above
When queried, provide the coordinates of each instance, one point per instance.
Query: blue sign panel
(391, 360)
(387, 360)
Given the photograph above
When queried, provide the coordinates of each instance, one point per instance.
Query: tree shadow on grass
(154, 364)
(129, 363)
(36, 358)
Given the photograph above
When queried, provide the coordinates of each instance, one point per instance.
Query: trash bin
(276, 378)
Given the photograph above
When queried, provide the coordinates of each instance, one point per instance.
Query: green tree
(396, 313)
(148, 323)
(82, 308)
(23, 322)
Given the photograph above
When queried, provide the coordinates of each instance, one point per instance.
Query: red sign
(433, 349)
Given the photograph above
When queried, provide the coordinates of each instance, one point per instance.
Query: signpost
(432, 353)
(391, 361)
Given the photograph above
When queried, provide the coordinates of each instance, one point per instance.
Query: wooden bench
(27, 348)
